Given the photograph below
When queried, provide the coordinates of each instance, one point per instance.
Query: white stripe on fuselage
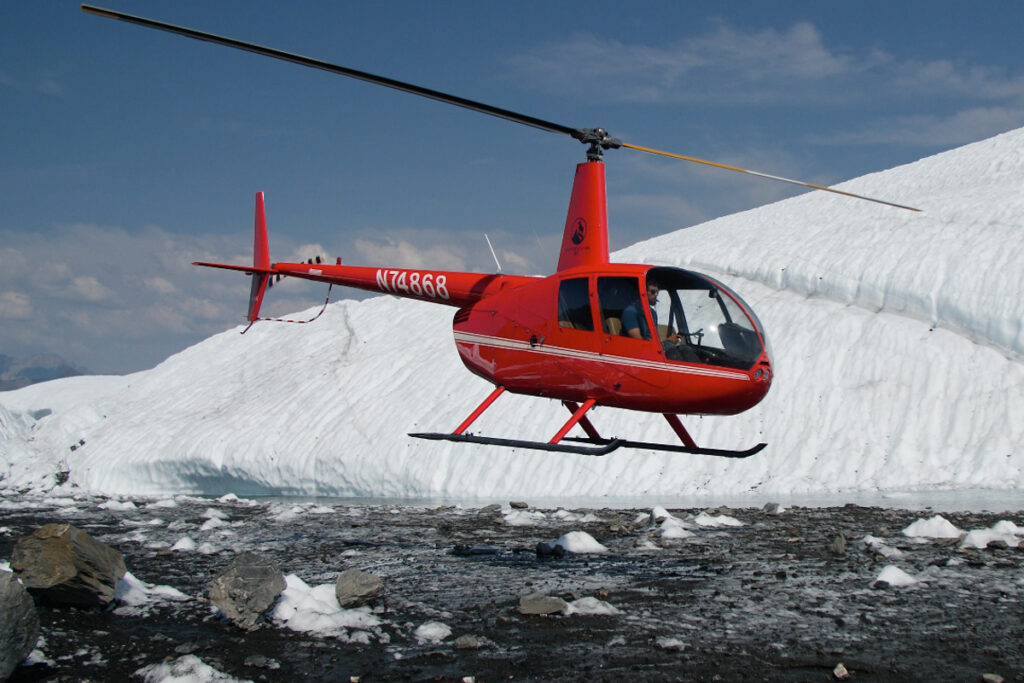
(562, 352)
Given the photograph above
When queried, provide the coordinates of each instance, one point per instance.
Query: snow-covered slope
(898, 348)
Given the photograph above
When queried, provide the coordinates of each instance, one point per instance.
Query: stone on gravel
(19, 624)
(246, 589)
(518, 505)
(355, 588)
(63, 565)
(838, 546)
(470, 642)
(547, 550)
(538, 603)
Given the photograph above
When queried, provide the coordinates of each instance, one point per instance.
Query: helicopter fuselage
(523, 333)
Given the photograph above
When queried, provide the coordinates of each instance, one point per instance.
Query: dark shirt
(633, 318)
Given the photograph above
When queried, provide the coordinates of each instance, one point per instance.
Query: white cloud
(303, 252)
(160, 285)
(734, 65)
(729, 63)
(130, 299)
(950, 130)
(15, 305)
(406, 255)
(89, 288)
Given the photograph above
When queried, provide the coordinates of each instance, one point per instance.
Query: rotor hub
(598, 139)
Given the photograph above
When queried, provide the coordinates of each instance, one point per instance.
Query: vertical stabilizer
(585, 241)
(260, 261)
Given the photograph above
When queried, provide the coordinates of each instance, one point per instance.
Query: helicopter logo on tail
(580, 233)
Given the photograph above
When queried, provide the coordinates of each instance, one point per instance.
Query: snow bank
(899, 365)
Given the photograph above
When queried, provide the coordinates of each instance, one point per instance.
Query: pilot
(634, 324)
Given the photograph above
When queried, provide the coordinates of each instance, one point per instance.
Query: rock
(538, 603)
(838, 546)
(463, 550)
(262, 662)
(518, 505)
(992, 678)
(355, 587)
(547, 550)
(470, 642)
(246, 589)
(19, 624)
(840, 672)
(63, 565)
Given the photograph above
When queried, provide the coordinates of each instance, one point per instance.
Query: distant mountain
(18, 372)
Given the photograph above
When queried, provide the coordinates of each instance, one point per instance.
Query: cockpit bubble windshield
(700, 320)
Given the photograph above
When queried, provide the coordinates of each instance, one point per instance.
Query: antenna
(496, 261)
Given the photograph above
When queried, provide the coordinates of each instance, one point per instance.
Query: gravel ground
(789, 595)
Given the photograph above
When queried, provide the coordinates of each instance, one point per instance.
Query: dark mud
(779, 598)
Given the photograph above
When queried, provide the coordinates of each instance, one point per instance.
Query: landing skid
(599, 447)
(595, 444)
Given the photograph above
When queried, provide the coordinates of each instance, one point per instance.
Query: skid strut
(592, 444)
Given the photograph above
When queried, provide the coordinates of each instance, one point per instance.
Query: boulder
(63, 565)
(356, 587)
(246, 589)
(538, 603)
(19, 624)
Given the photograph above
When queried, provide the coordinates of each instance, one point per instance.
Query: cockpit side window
(574, 305)
(615, 295)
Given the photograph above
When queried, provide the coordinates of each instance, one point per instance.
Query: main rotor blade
(597, 138)
(341, 70)
(769, 176)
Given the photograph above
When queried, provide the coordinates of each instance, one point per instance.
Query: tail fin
(260, 261)
(260, 269)
(585, 241)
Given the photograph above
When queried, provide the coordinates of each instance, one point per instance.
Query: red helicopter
(595, 333)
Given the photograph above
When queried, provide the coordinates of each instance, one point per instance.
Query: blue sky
(128, 153)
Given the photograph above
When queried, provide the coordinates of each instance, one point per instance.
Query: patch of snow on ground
(589, 605)
(882, 548)
(432, 632)
(1003, 532)
(184, 669)
(894, 576)
(933, 527)
(704, 519)
(117, 505)
(315, 609)
(184, 543)
(668, 525)
(580, 542)
(523, 517)
(666, 643)
(137, 596)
